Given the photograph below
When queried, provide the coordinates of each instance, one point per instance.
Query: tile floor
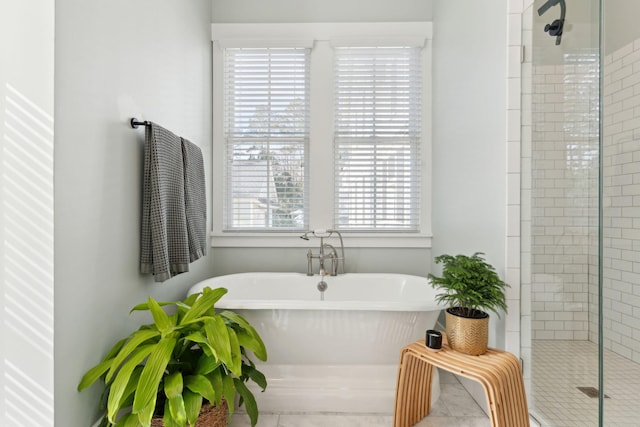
(455, 408)
(559, 367)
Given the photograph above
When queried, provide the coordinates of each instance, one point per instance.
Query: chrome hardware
(322, 256)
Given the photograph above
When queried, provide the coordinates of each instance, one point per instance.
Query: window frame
(322, 38)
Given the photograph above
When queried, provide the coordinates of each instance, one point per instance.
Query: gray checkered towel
(164, 247)
(195, 199)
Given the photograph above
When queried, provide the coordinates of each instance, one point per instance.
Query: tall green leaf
(255, 376)
(128, 420)
(173, 391)
(184, 306)
(201, 385)
(259, 349)
(249, 401)
(192, 405)
(146, 414)
(127, 395)
(250, 343)
(94, 373)
(205, 302)
(168, 419)
(152, 373)
(229, 392)
(218, 337)
(201, 340)
(114, 350)
(215, 377)
(135, 340)
(121, 381)
(236, 353)
(161, 319)
(206, 364)
(145, 305)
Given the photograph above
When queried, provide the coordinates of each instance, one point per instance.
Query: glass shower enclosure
(580, 216)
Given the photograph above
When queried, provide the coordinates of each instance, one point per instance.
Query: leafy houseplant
(471, 287)
(168, 369)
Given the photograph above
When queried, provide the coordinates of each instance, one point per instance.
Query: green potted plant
(173, 371)
(471, 288)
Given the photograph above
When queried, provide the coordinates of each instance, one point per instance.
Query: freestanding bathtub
(337, 354)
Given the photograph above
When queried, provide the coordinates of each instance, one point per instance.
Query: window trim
(322, 36)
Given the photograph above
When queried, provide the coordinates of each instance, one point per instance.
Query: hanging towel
(164, 248)
(195, 199)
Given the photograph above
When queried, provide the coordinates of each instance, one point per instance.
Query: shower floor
(560, 367)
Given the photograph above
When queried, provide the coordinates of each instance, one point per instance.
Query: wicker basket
(210, 416)
(467, 335)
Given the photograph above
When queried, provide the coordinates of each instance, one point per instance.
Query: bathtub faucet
(327, 252)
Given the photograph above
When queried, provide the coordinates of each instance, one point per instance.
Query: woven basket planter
(467, 335)
(210, 416)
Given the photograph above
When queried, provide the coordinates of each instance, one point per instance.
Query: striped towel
(164, 247)
(195, 199)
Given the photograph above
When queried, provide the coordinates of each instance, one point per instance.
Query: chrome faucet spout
(333, 256)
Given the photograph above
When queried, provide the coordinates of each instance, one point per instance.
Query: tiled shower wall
(564, 161)
(564, 165)
(621, 228)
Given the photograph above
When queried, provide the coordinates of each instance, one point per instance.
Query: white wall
(469, 131)
(115, 60)
(26, 212)
(320, 11)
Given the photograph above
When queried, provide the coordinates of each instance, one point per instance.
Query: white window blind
(267, 135)
(377, 131)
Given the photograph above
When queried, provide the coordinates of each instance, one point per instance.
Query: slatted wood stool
(499, 373)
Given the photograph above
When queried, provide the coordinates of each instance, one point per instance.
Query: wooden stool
(499, 373)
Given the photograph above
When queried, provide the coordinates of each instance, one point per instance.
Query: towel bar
(135, 123)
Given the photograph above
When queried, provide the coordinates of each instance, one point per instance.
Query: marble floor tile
(264, 420)
(337, 420)
(458, 402)
(432, 421)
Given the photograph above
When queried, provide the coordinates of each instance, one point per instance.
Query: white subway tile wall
(563, 197)
(621, 162)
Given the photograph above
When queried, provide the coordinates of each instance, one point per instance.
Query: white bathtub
(339, 354)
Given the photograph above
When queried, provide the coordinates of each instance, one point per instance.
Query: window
(377, 138)
(321, 126)
(266, 134)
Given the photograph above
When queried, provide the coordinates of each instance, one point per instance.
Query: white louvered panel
(267, 135)
(377, 138)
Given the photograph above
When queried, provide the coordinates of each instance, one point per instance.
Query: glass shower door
(560, 169)
(620, 290)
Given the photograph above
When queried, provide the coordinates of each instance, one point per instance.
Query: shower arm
(560, 22)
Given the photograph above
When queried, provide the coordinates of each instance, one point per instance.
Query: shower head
(547, 6)
(555, 28)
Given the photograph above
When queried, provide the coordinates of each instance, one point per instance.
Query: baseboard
(365, 389)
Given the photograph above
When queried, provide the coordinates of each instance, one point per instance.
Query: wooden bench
(499, 373)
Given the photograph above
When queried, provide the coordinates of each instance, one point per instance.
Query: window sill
(292, 240)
